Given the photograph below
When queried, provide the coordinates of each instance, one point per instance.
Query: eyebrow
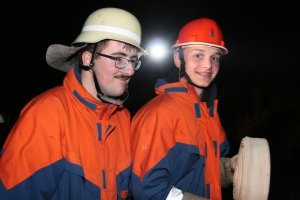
(123, 54)
(217, 53)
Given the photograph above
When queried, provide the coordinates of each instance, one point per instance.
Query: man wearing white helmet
(72, 142)
(177, 138)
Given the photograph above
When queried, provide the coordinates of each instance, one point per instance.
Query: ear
(86, 58)
(177, 61)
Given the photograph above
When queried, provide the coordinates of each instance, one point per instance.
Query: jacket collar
(209, 95)
(73, 84)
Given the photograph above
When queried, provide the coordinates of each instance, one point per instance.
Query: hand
(233, 161)
(227, 169)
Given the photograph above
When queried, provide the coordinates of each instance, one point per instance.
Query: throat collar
(116, 101)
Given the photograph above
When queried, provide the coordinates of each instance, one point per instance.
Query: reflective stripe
(84, 101)
(99, 128)
(108, 128)
(197, 110)
(103, 179)
(176, 89)
(208, 191)
(215, 147)
(111, 29)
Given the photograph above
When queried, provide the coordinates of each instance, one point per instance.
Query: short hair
(89, 47)
(101, 45)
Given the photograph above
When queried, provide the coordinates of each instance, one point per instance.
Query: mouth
(203, 74)
(122, 77)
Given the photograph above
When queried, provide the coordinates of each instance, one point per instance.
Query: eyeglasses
(121, 62)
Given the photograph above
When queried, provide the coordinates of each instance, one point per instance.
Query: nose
(207, 63)
(128, 70)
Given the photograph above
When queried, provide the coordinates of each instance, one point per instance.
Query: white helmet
(102, 24)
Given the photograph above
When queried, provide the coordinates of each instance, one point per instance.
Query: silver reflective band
(111, 29)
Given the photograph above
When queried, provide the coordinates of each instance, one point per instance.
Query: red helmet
(201, 31)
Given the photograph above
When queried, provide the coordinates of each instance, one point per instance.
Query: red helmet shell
(203, 31)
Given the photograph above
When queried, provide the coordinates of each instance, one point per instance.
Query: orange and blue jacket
(67, 145)
(177, 141)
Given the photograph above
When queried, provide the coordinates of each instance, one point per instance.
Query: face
(113, 81)
(201, 63)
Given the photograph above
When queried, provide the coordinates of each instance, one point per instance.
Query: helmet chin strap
(182, 68)
(104, 98)
(183, 72)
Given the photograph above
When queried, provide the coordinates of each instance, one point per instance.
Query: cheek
(190, 65)
(104, 70)
(216, 68)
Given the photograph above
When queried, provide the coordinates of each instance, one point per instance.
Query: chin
(203, 85)
(117, 94)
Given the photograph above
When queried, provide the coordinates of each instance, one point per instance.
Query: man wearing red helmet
(177, 138)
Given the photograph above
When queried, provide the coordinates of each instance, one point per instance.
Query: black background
(258, 80)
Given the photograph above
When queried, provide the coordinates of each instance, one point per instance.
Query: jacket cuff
(189, 196)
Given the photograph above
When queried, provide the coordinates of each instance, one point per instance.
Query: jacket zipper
(108, 108)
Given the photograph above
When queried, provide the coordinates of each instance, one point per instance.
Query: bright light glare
(157, 51)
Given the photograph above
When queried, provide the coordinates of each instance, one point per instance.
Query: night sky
(258, 83)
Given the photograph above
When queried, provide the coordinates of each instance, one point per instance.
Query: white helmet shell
(102, 24)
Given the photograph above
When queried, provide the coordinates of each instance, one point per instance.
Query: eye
(198, 56)
(118, 59)
(214, 58)
(133, 61)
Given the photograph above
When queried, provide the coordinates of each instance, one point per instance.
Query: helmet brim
(223, 49)
(58, 56)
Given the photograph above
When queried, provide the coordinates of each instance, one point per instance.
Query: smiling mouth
(204, 74)
(123, 77)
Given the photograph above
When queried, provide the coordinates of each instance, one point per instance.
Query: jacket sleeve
(149, 181)
(31, 161)
(157, 182)
(156, 154)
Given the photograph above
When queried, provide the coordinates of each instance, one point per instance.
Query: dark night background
(258, 80)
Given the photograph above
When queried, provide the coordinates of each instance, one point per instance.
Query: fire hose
(251, 179)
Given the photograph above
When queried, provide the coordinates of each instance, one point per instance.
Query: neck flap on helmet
(104, 98)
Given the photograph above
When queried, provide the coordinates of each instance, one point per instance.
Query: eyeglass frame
(138, 62)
